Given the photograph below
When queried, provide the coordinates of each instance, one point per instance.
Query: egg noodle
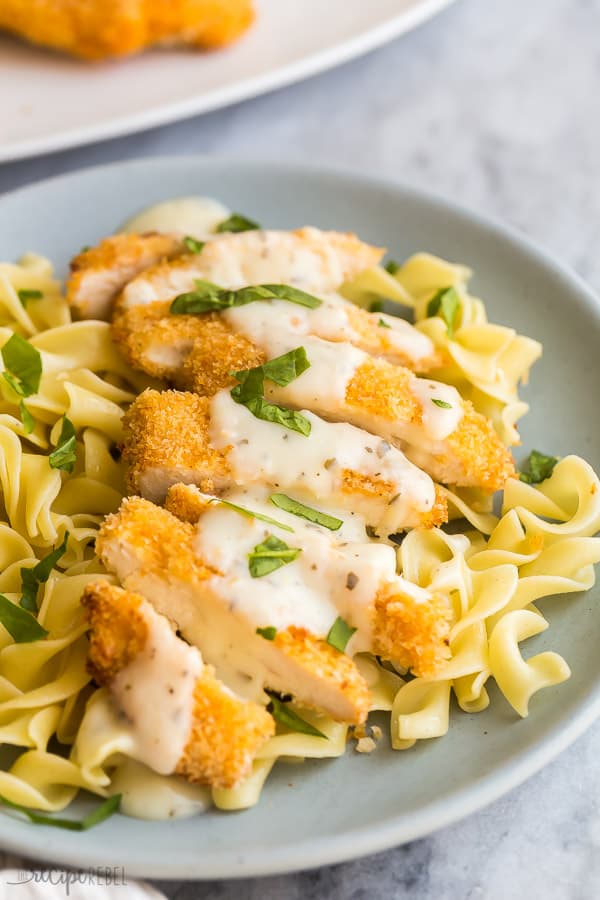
(66, 735)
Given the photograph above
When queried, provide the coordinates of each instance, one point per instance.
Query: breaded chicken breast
(297, 602)
(100, 29)
(183, 720)
(217, 444)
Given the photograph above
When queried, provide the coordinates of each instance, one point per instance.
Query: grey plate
(325, 812)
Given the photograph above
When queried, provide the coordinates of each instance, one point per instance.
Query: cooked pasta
(61, 473)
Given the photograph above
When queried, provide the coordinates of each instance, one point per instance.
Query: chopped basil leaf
(65, 454)
(26, 294)
(85, 248)
(540, 467)
(446, 303)
(376, 306)
(340, 632)
(392, 266)
(191, 244)
(270, 555)
(102, 812)
(250, 514)
(306, 512)
(279, 415)
(269, 633)
(282, 370)
(443, 404)
(292, 295)
(286, 716)
(210, 297)
(31, 578)
(204, 298)
(26, 418)
(23, 365)
(20, 624)
(383, 324)
(236, 223)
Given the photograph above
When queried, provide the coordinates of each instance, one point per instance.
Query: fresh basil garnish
(287, 717)
(443, 404)
(65, 454)
(23, 365)
(269, 633)
(39, 574)
(191, 244)
(102, 812)
(25, 294)
(340, 633)
(270, 555)
(236, 223)
(306, 512)
(392, 266)
(282, 371)
(26, 418)
(445, 303)
(279, 415)
(209, 297)
(383, 324)
(250, 514)
(540, 467)
(20, 624)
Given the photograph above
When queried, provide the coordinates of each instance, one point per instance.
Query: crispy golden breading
(225, 731)
(166, 440)
(97, 29)
(310, 259)
(98, 274)
(118, 629)
(151, 552)
(370, 336)
(163, 544)
(333, 667)
(225, 735)
(186, 501)
(380, 395)
(412, 633)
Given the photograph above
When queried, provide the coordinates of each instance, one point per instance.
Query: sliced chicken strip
(153, 553)
(99, 273)
(427, 420)
(324, 578)
(309, 259)
(181, 718)
(217, 444)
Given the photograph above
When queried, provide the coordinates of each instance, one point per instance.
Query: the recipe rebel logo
(104, 876)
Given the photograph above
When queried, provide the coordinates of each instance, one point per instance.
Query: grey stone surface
(495, 104)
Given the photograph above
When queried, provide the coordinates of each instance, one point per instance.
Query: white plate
(49, 102)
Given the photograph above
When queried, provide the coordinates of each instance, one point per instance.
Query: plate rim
(358, 842)
(242, 89)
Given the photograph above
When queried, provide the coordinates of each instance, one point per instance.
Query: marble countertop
(493, 104)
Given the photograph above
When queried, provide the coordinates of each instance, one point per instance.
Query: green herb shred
(287, 717)
(98, 815)
(191, 244)
(236, 223)
(23, 366)
(31, 578)
(65, 454)
(270, 555)
(339, 634)
(288, 504)
(540, 467)
(445, 303)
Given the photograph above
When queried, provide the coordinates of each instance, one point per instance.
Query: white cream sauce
(438, 421)
(196, 216)
(154, 695)
(311, 467)
(147, 795)
(330, 577)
